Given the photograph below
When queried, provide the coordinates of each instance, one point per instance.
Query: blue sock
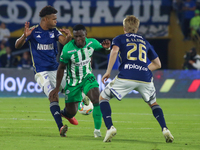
(55, 111)
(158, 114)
(106, 112)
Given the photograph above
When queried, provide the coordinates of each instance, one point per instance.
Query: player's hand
(191, 62)
(53, 94)
(27, 31)
(66, 31)
(105, 77)
(106, 43)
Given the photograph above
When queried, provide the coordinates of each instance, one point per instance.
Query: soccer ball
(86, 110)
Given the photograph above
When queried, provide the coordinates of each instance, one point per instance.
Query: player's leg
(44, 81)
(70, 111)
(148, 93)
(73, 95)
(91, 89)
(93, 94)
(119, 89)
(104, 98)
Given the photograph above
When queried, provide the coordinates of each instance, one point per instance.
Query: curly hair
(79, 27)
(47, 10)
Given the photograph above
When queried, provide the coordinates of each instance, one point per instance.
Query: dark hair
(47, 10)
(79, 27)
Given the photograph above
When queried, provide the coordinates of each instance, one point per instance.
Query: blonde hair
(131, 24)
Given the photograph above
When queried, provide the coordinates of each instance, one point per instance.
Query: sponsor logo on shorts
(67, 91)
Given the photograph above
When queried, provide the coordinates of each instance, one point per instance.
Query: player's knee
(95, 101)
(106, 94)
(100, 97)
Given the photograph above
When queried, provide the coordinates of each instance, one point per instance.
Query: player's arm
(104, 47)
(155, 64)
(112, 59)
(59, 76)
(64, 40)
(22, 40)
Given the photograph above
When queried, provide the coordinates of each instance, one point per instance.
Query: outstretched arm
(112, 59)
(21, 41)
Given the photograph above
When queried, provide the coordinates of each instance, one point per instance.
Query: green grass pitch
(27, 124)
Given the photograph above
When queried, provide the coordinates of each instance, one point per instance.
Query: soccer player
(75, 58)
(42, 40)
(134, 74)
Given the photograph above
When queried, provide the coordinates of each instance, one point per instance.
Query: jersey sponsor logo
(82, 63)
(134, 66)
(45, 46)
(72, 51)
(134, 35)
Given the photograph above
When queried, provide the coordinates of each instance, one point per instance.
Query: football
(86, 110)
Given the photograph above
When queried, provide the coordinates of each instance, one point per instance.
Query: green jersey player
(76, 59)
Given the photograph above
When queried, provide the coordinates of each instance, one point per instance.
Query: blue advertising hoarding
(168, 83)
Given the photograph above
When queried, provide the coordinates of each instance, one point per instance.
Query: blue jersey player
(42, 41)
(134, 74)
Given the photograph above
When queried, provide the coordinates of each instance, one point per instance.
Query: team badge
(51, 35)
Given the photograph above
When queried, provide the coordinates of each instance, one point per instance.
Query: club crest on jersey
(51, 35)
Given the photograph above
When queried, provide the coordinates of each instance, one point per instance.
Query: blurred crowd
(188, 14)
(7, 60)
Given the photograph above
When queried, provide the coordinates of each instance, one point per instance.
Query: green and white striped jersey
(78, 60)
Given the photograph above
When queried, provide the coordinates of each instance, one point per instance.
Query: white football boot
(97, 133)
(168, 136)
(110, 134)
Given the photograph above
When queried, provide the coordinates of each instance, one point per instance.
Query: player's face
(51, 21)
(79, 37)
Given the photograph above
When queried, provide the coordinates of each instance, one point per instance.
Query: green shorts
(74, 93)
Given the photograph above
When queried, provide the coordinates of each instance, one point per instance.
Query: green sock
(97, 115)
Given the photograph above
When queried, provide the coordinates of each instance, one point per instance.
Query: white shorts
(121, 87)
(47, 81)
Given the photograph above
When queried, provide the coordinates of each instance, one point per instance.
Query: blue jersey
(43, 48)
(134, 52)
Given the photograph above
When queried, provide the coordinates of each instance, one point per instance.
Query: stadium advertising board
(97, 15)
(168, 83)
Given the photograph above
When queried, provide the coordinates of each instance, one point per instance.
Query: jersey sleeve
(57, 33)
(30, 36)
(116, 41)
(151, 54)
(64, 55)
(96, 45)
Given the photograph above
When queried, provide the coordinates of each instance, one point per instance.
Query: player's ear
(124, 30)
